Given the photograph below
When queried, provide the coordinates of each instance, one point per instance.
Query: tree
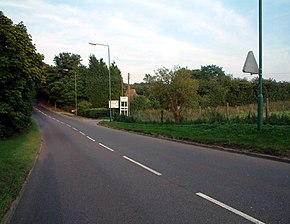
(61, 78)
(97, 82)
(20, 68)
(176, 90)
(208, 72)
(116, 81)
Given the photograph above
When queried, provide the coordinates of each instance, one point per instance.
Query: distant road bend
(92, 174)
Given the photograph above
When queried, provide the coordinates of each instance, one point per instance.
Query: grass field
(273, 140)
(17, 157)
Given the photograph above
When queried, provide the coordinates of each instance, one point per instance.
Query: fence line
(199, 112)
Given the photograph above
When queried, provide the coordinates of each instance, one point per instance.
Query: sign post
(260, 96)
(251, 66)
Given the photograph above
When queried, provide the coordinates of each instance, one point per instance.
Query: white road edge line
(141, 165)
(75, 129)
(91, 138)
(106, 147)
(82, 133)
(230, 208)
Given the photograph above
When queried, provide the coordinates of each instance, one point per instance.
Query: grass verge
(272, 140)
(17, 157)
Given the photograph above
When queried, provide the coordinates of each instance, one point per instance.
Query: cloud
(146, 35)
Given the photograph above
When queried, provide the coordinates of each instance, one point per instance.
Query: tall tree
(97, 82)
(208, 72)
(116, 81)
(20, 69)
(176, 90)
(61, 80)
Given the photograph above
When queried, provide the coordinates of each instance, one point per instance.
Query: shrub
(83, 105)
(279, 119)
(124, 118)
(94, 113)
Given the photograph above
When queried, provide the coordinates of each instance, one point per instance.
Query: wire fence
(228, 111)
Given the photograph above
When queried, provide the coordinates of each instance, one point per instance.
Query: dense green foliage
(59, 84)
(94, 113)
(214, 88)
(69, 78)
(173, 90)
(274, 140)
(20, 72)
(98, 82)
(17, 156)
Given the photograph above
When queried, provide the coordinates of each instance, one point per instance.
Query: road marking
(91, 138)
(145, 167)
(75, 129)
(68, 125)
(230, 208)
(106, 147)
(82, 133)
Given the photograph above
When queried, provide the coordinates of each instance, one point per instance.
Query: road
(91, 174)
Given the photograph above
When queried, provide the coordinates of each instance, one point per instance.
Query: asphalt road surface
(91, 174)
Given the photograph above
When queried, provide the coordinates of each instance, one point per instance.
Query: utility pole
(128, 94)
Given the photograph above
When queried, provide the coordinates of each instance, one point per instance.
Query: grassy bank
(17, 157)
(273, 140)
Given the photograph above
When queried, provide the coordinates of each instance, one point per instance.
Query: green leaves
(20, 68)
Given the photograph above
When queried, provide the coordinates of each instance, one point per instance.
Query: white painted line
(91, 138)
(230, 208)
(145, 167)
(75, 129)
(106, 147)
(82, 133)
(68, 125)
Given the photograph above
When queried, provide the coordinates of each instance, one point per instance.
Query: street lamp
(110, 92)
(76, 96)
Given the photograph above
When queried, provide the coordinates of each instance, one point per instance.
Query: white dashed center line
(143, 166)
(82, 133)
(91, 138)
(230, 208)
(106, 147)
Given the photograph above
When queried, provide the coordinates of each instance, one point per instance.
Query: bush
(94, 113)
(279, 119)
(83, 105)
(124, 118)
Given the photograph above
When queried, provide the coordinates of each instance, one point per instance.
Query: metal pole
(260, 96)
(110, 90)
(76, 96)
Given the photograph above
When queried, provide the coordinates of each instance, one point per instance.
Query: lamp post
(76, 96)
(110, 91)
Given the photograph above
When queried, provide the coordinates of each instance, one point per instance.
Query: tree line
(20, 73)
(24, 77)
(69, 77)
(180, 88)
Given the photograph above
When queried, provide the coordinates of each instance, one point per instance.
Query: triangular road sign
(251, 65)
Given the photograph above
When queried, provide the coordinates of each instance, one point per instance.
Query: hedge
(94, 113)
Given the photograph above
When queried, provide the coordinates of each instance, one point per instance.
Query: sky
(145, 35)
